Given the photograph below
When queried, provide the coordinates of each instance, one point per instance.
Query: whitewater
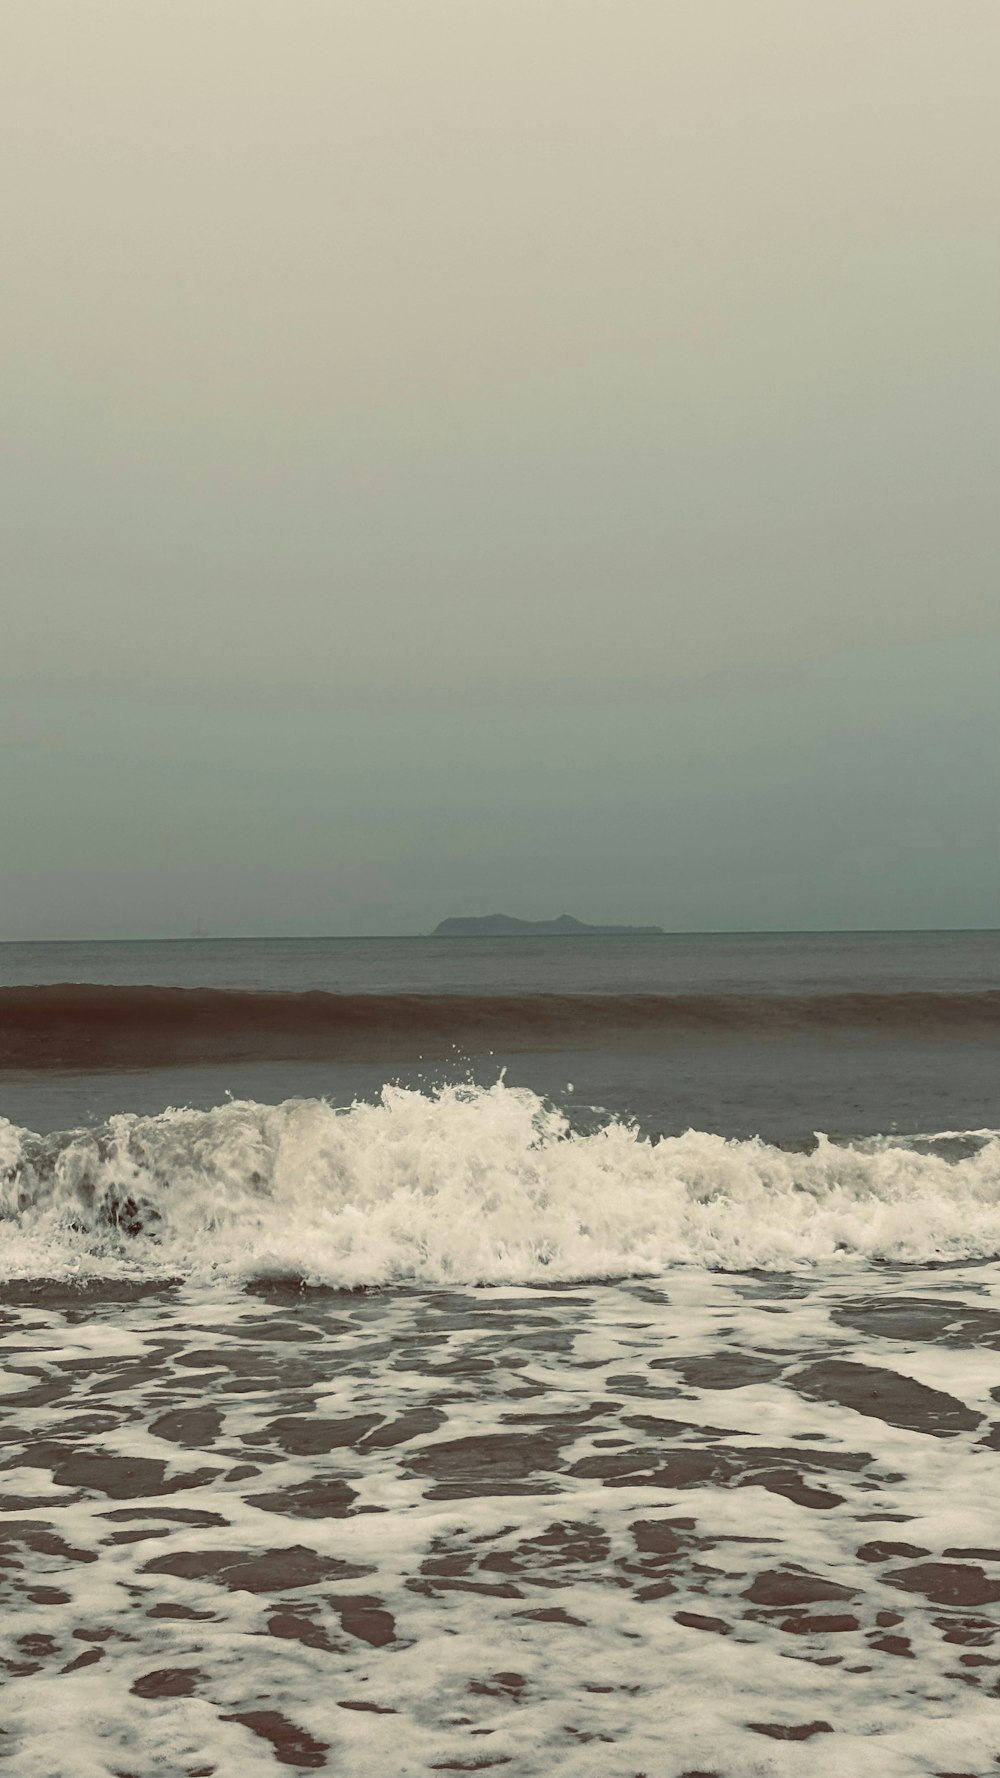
(474, 1186)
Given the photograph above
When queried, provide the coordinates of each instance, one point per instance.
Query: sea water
(619, 1397)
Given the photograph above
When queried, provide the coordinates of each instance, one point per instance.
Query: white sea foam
(470, 1185)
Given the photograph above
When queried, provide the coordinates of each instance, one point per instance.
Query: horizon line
(402, 937)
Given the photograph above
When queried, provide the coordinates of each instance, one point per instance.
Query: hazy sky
(460, 454)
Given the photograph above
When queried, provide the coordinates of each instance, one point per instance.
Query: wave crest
(468, 1185)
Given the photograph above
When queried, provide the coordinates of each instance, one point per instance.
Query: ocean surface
(566, 1356)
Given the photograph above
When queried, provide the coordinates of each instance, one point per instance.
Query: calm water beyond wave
(569, 1357)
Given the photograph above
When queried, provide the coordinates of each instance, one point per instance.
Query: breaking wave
(470, 1186)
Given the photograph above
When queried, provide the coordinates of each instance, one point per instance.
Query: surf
(472, 1185)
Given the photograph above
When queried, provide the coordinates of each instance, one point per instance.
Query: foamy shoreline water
(738, 1525)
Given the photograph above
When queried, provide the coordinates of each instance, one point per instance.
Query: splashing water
(469, 1185)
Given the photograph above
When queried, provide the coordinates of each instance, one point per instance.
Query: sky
(461, 455)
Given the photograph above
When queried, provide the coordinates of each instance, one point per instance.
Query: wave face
(74, 1025)
(470, 1186)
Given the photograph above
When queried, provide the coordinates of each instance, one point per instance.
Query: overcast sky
(461, 454)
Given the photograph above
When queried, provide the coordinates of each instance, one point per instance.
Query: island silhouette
(506, 926)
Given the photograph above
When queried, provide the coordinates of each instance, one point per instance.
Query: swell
(72, 1025)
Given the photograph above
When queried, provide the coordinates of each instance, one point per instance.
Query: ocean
(575, 1356)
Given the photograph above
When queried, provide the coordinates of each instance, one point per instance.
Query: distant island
(506, 926)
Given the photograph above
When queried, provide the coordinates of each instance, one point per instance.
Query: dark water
(458, 1428)
(668, 963)
(857, 1034)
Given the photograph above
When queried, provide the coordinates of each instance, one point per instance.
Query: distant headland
(506, 926)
